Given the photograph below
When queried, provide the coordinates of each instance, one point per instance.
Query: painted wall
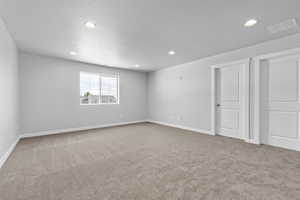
(49, 92)
(9, 90)
(181, 95)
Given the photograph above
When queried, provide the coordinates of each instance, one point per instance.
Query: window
(98, 89)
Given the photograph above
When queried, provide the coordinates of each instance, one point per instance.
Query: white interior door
(280, 101)
(232, 100)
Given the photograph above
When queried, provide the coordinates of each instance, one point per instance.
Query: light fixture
(73, 53)
(137, 65)
(90, 24)
(250, 22)
(172, 52)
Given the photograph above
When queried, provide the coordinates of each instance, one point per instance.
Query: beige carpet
(147, 161)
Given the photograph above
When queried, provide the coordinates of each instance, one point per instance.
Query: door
(280, 101)
(232, 100)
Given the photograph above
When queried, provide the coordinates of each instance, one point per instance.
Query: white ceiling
(130, 32)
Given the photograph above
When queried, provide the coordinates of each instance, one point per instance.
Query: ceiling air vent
(290, 24)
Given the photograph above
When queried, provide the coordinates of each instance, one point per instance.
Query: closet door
(280, 101)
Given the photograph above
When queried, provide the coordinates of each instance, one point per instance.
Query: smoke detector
(290, 24)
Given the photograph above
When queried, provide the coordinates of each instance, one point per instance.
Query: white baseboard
(4, 158)
(252, 141)
(208, 132)
(58, 131)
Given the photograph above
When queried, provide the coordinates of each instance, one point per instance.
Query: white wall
(9, 91)
(49, 92)
(181, 95)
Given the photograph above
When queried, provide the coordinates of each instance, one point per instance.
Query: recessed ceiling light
(90, 24)
(250, 22)
(172, 52)
(73, 53)
(137, 65)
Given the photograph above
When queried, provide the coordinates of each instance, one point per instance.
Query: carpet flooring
(148, 161)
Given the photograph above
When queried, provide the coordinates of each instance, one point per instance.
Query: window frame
(100, 75)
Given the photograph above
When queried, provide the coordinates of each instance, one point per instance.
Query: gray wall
(181, 95)
(49, 93)
(9, 90)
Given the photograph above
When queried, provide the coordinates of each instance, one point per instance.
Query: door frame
(257, 112)
(245, 99)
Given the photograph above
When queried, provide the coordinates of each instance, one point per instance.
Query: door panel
(283, 82)
(229, 78)
(283, 124)
(280, 102)
(229, 119)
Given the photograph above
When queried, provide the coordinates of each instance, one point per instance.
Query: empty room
(149, 100)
